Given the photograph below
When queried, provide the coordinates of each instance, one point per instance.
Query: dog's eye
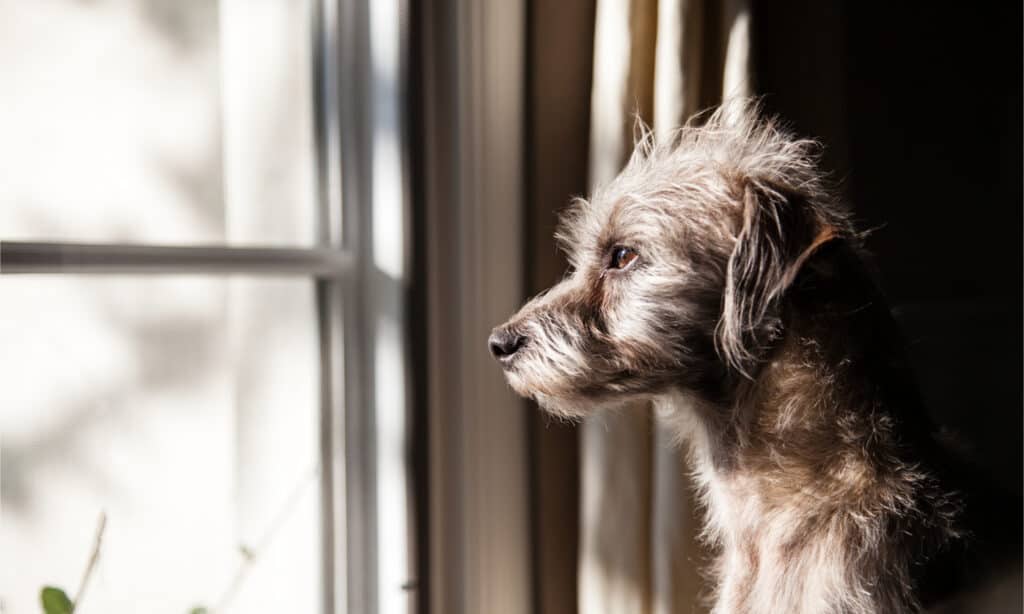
(622, 257)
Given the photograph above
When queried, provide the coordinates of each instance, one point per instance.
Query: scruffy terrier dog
(717, 278)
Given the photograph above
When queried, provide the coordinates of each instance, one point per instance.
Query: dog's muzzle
(505, 344)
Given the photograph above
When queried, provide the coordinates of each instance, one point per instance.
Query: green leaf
(199, 610)
(55, 601)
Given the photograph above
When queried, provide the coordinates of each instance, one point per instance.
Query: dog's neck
(810, 472)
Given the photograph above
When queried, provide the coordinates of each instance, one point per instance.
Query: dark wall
(920, 108)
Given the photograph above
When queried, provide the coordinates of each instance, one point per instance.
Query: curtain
(662, 60)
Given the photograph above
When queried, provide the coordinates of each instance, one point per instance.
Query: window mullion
(21, 257)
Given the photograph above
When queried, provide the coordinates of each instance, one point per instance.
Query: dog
(718, 278)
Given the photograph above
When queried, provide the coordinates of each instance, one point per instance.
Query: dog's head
(677, 269)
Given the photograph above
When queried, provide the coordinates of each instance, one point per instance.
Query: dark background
(919, 106)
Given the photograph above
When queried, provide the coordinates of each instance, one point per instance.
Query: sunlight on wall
(186, 408)
(388, 216)
(389, 252)
(392, 524)
(135, 397)
(111, 121)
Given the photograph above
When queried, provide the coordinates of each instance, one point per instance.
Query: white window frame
(351, 107)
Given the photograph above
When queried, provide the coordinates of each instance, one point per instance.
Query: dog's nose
(505, 343)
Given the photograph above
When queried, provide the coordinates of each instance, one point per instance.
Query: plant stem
(250, 554)
(93, 558)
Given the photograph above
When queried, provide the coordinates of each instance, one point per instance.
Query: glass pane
(159, 121)
(186, 409)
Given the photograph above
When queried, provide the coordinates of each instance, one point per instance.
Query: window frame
(349, 288)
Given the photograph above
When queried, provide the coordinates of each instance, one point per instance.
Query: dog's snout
(504, 343)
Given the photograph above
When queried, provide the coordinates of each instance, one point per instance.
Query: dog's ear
(779, 233)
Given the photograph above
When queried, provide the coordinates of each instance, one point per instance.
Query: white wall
(186, 408)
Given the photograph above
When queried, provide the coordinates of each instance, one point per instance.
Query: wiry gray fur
(748, 321)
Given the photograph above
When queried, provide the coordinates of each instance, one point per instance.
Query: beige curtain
(663, 60)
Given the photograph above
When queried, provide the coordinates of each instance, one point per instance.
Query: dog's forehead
(585, 222)
(589, 227)
(608, 218)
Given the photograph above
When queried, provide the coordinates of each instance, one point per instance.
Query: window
(202, 267)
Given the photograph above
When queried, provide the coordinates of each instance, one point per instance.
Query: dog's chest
(773, 556)
(769, 561)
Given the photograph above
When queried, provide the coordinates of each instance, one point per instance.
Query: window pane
(186, 408)
(184, 121)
